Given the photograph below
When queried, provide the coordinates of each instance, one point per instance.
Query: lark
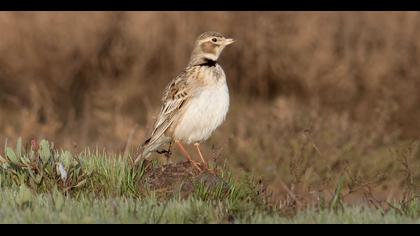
(195, 103)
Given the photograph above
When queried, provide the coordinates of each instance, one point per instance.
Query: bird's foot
(196, 166)
(206, 168)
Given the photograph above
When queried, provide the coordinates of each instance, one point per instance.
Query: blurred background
(315, 96)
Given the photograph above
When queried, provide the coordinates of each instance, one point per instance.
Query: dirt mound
(183, 178)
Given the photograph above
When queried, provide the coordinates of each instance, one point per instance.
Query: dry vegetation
(316, 97)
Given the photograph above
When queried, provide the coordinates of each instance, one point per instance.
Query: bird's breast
(204, 113)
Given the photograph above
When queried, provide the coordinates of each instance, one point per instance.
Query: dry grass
(315, 96)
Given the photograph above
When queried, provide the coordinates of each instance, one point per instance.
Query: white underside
(204, 114)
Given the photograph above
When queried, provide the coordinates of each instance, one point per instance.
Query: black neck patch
(208, 62)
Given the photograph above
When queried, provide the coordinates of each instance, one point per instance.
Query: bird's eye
(214, 39)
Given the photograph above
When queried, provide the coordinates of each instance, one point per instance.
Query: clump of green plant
(41, 168)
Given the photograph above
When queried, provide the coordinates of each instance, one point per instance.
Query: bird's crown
(210, 34)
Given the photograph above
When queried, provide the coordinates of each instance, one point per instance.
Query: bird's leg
(206, 164)
(197, 145)
(187, 155)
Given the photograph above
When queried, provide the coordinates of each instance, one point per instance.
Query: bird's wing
(175, 96)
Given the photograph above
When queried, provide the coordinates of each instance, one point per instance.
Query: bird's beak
(229, 41)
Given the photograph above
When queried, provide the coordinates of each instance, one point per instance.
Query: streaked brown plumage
(181, 118)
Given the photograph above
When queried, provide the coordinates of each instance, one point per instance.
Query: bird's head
(209, 46)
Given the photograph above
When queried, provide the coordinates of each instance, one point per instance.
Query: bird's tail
(149, 146)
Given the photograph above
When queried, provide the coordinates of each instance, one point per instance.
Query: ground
(45, 185)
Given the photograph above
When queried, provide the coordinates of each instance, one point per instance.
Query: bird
(195, 102)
